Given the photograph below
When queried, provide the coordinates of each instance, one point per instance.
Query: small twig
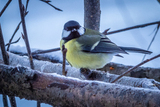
(25, 33)
(64, 51)
(157, 29)
(42, 51)
(17, 28)
(131, 69)
(13, 42)
(47, 1)
(45, 51)
(38, 104)
(13, 35)
(133, 27)
(4, 53)
(27, 4)
(4, 8)
(106, 31)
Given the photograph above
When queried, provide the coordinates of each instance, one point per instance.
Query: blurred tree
(92, 14)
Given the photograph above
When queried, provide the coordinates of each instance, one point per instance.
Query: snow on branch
(58, 90)
(48, 67)
(113, 68)
(140, 72)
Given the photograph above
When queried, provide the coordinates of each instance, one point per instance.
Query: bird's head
(72, 30)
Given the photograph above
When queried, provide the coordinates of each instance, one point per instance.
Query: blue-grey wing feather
(106, 46)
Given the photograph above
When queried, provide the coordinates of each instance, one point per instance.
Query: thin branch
(17, 28)
(25, 34)
(27, 4)
(106, 31)
(157, 29)
(133, 27)
(4, 8)
(4, 53)
(154, 36)
(131, 69)
(45, 51)
(64, 51)
(5, 102)
(38, 104)
(12, 101)
(22, 12)
(6, 61)
(13, 35)
(13, 42)
(47, 1)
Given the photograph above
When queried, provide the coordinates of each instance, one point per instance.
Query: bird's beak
(74, 30)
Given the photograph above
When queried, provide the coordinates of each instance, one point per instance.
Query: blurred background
(45, 24)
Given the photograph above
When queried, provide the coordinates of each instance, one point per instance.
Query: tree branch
(64, 51)
(140, 72)
(8, 44)
(4, 8)
(44, 51)
(6, 61)
(133, 27)
(13, 35)
(92, 14)
(22, 12)
(157, 29)
(47, 1)
(131, 69)
(17, 28)
(62, 91)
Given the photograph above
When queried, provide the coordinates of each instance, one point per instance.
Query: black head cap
(71, 24)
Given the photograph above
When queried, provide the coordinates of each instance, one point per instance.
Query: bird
(90, 49)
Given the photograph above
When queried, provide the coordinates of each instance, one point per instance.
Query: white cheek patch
(81, 30)
(65, 33)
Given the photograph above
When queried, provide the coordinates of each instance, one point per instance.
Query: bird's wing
(96, 42)
(106, 46)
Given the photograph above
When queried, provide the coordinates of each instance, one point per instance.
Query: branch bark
(92, 14)
(62, 91)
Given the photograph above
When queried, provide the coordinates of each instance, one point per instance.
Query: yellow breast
(80, 59)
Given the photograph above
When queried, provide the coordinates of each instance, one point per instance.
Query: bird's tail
(135, 50)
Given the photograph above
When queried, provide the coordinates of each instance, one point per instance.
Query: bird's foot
(86, 72)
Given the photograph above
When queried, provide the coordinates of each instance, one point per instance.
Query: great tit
(90, 49)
